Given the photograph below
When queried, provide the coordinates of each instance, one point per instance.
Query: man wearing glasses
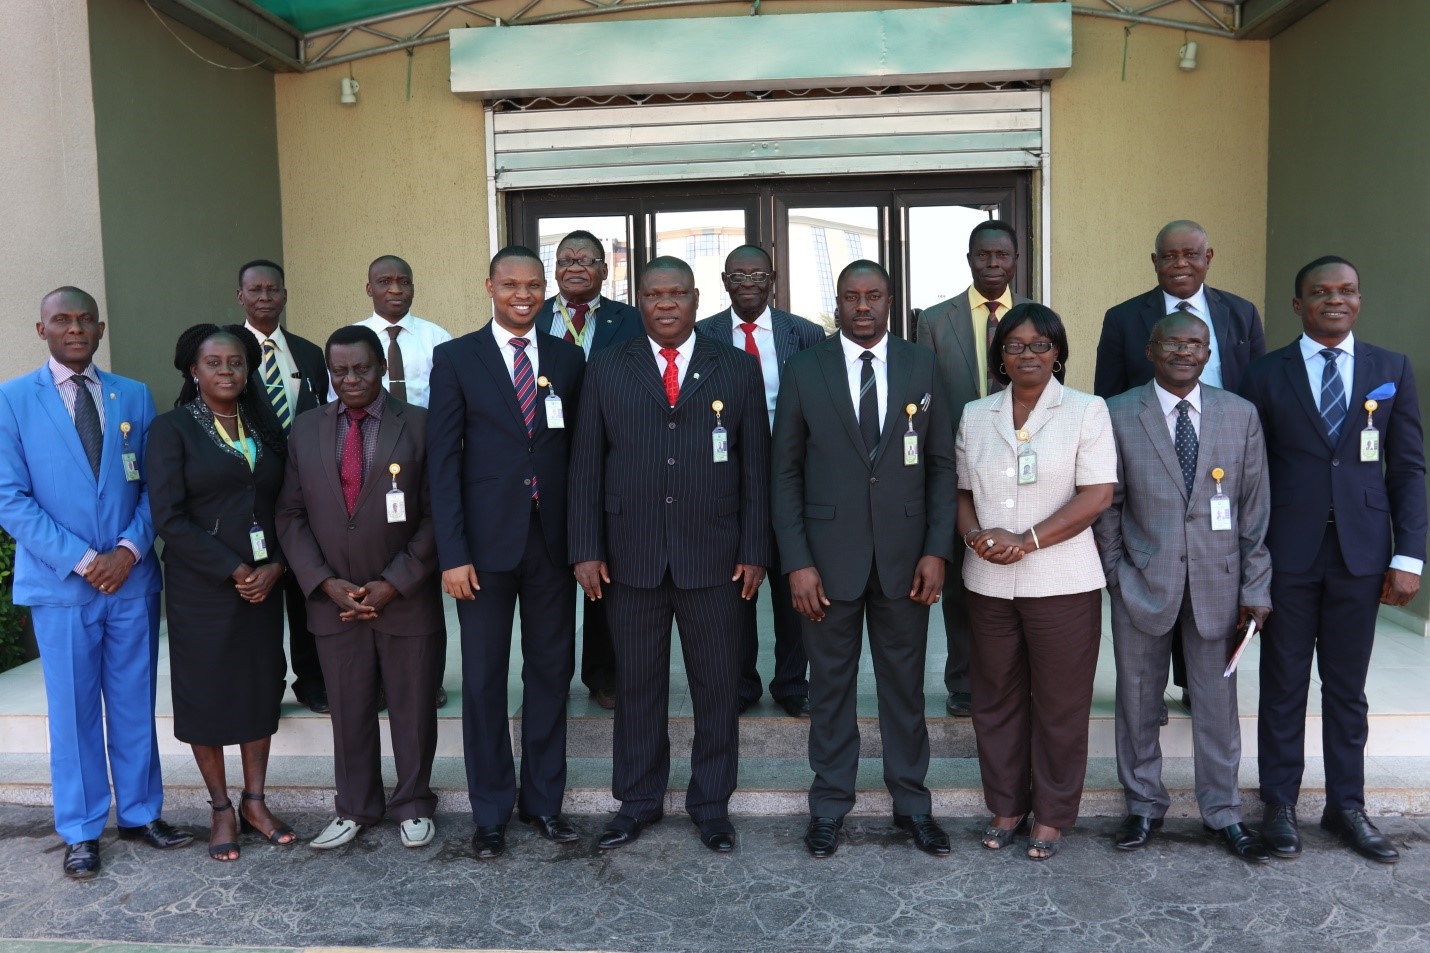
(772, 337)
(579, 313)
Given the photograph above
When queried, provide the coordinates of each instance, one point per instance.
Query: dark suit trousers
(598, 656)
(640, 629)
(790, 663)
(1033, 665)
(358, 662)
(956, 626)
(545, 590)
(1332, 613)
(898, 642)
(302, 647)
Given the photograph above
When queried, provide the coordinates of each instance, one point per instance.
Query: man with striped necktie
(294, 377)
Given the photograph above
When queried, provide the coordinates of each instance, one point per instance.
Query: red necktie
(351, 474)
(578, 320)
(672, 374)
(749, 328)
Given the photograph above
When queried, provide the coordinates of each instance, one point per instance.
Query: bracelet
(1036, 545)
(972, 532)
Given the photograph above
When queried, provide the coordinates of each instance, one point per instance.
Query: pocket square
(1383, 392)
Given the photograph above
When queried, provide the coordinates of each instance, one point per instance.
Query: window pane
(821, 242)
(702, 239)
(614, 231)
(938, 251)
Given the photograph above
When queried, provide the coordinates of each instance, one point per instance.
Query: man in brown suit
(355, 521)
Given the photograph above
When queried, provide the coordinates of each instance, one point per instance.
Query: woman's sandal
(220, 852)
(274, 836)
(997, 838)
(1040, 849)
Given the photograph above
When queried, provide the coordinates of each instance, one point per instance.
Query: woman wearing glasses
(1036, 465)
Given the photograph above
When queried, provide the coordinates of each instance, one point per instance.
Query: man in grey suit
(1184, 543)
(772, 337)
(864, 501)
(959, 330)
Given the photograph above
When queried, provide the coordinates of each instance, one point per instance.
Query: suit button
(1191, 517)
(526, 482)
(670, 499)
(1008, 503)
(1010, 472)
(671, 425)
(873, 480)
(352, 526)
(671, 461)
(1182, 559)
(1336, 462)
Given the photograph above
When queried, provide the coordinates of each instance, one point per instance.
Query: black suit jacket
(791, 332)
(1122, 350)
(646, 494)
(615, 322)
(1373, 501)
(837, 510)
(480, 460)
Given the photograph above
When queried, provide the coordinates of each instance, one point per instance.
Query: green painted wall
(188, 183)
(1349, 169)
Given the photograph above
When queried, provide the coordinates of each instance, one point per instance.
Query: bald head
(1180, 225)
(70, 298)
(1181, 258)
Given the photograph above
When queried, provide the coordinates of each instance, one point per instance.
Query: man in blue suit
(1347, 533)
(73, 496)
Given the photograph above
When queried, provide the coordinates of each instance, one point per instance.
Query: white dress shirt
(416, 342)
(769, 358)
(558, 321)
(682, 358)
(1169, 402)
(854, 368)
(1211, 373)
(508, 353)
(287, 367)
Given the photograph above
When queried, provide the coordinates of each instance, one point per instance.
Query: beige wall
(48, 170)
(387, 176)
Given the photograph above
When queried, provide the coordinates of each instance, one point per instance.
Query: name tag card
(1027, 460)
(911, 439)
(1221, 503)
(396, 499)
(555, 418)
(129, 457)
(258, 543)
(719, 437)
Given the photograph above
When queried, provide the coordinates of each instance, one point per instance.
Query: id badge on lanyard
(719, 437)
(555, 416)
(1221, 504)
(396, 499)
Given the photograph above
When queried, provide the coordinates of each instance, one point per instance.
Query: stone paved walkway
(667, 893)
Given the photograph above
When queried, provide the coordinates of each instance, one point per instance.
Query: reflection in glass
(614, 231)
(702, 239)
(938, 251)
(821, 242)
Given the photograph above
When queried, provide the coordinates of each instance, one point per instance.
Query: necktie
(994, 384)
(273, 383)
(86, 421)
(351, 473)
(578, 320)
(750, 347)
(525, 383)
(672, 375)
(1184, 306)
(1186, 445)
(396, 373)
(1333, 394)
(868, 404)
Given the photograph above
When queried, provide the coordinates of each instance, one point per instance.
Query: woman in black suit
(215, 465)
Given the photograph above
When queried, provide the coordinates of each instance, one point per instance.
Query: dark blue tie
(86, 421)
(1186, 445)
(1333, 395)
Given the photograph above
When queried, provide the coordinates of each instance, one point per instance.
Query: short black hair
(261, 263)
(581, 235)
(668, 263)
(514, 251)
(750, 248)
(72, 291)
(993, 225)
(1320, 263)
(1159, 330)
(392, 258)
(1044, 320)
(864, 264)
(355, 334)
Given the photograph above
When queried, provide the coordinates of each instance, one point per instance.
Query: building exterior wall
(188, 183)
(47, 171)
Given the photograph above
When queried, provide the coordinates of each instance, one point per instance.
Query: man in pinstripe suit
(669, 517)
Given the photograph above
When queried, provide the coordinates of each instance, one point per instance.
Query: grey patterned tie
(868, 404)
(86, 421)
(1186, 445)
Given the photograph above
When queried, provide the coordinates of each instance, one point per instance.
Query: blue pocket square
(1383, 392)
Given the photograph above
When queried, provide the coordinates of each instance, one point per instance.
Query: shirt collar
(1310, 348)
(1005, 300)
(62, 373)
(852, 350)
(405, 323)
(504, 336)
(1198, 302)
(684, 350)
(765, 320)
(591, 305)
(276, 337)
(1169, 401)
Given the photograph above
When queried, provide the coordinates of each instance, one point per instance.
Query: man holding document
(1184, 542)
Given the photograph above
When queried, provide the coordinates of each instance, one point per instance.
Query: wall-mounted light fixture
(349, 87)
(1188, 54)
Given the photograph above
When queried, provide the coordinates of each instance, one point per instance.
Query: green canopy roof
(308, 15)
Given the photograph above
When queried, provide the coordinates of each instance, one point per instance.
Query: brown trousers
(1032, 664)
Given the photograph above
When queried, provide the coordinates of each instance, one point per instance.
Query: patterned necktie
(671, 377)
(1184, 306)
(1186, 445)
(868, 404)
(994, 384)
(351, 473)
(1333, 394)
(273, 383)
(578, 320)
(86, 421)
(396, 373)
(750, 347)
(525, 383)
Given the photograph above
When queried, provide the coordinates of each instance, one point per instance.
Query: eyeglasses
(1018, 347)
(750, 278)
(656, 297)
(582, 262)
(1172, 257)
(1191, 347)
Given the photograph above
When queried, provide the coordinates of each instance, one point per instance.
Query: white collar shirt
(1211, 373)
(558, 320)
(682, 359)
(417, 340)
(1169, 402)
(764, 335)
(508, 353)
(287, 367)
(854, 368)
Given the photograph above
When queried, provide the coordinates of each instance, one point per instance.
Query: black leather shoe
(796, 706)
(622, 830)
(441, 697)
(959, 704)
(1135, 832)
(1358, 833)
(1244, 844)
(553, 827)
(1279, 830)
(1164, 717)
(718, 835)
(158, 834)
(314, 698)
(928, 836)
(746, 704)
(489, 842)
(82, 860)
(822, 836)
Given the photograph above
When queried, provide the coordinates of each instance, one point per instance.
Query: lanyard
(578, 336)
(243, 446)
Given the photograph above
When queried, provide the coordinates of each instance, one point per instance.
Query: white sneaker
(417, 832)
(336, 834)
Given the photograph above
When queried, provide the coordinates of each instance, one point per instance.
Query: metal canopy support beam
(241, 26)
(1263, 19)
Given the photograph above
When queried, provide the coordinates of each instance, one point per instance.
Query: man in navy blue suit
(498, 434)
(1347, 533)
(73, 495)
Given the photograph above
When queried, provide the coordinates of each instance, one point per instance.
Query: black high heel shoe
(275, 836)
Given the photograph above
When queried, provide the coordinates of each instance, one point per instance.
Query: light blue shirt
(558, 322)
(1211, 374)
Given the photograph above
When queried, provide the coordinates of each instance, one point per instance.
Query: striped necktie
(273, 383)
(1333, 395)
(525, 383)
